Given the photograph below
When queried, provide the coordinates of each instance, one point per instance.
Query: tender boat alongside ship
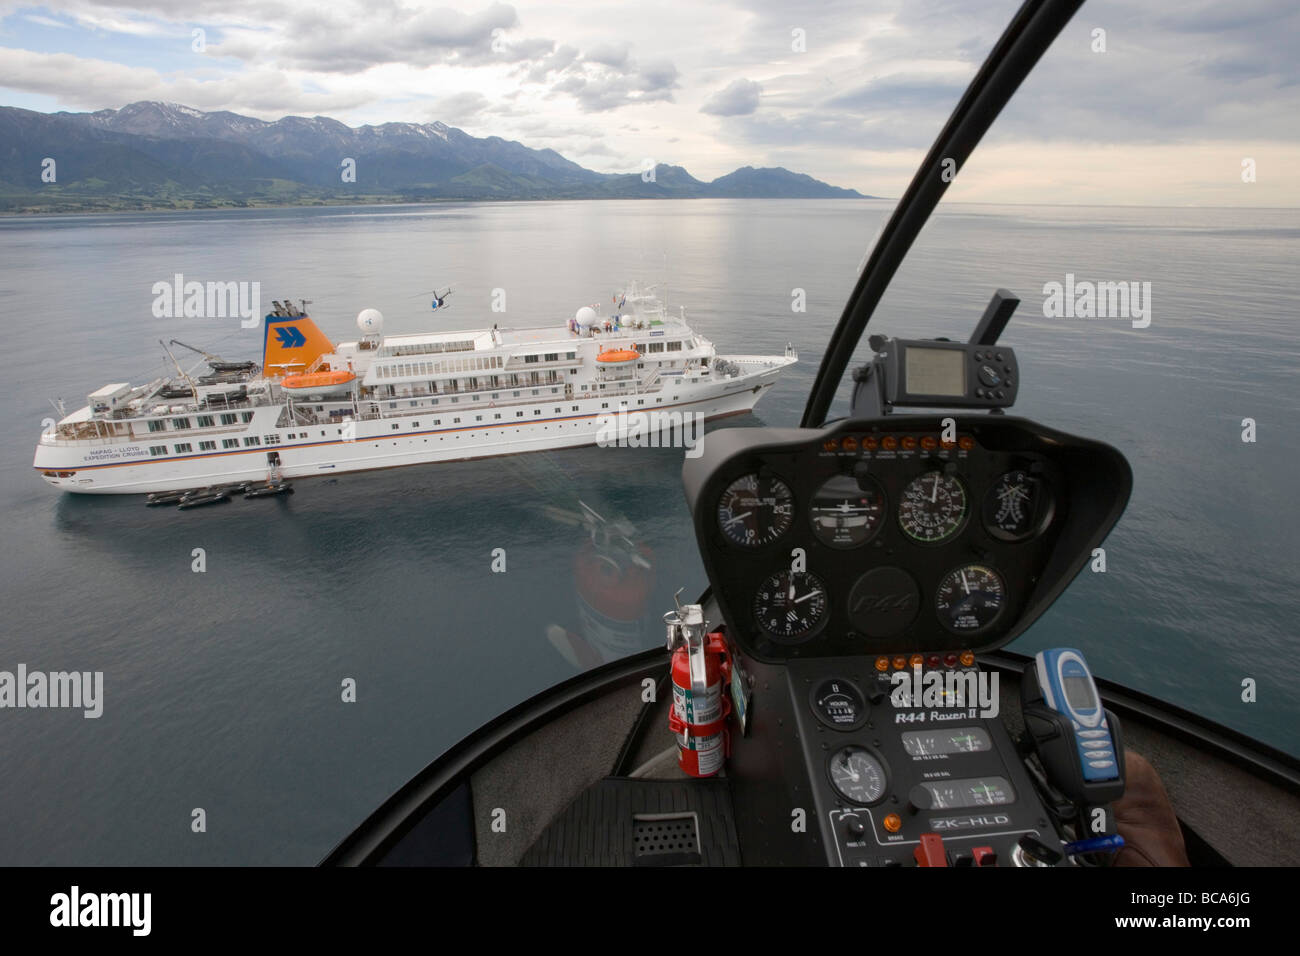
(313, 407)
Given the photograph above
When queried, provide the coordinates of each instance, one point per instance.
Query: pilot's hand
(1146, 820)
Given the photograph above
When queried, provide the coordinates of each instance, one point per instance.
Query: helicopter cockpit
(841, 694)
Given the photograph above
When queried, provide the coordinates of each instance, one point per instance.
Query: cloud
(351, 38)
(96, 84)
(610, 54)
(598, 88)
(738, 98)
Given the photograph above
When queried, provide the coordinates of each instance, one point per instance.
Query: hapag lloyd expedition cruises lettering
(75, 689)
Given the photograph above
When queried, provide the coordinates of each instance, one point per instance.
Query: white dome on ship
(370, 321)
(585, 317)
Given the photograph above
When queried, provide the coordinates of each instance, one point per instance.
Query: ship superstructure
(314, 407)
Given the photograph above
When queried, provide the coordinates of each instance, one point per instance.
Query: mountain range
(151, 155)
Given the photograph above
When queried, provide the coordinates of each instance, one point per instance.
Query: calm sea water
(222, 689)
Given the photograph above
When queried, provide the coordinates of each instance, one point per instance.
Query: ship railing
(479, 401)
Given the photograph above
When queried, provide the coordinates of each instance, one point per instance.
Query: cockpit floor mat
(622, 821)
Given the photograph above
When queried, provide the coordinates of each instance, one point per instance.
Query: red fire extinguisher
(701, 670)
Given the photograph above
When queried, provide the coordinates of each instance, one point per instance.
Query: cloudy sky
(849, 91)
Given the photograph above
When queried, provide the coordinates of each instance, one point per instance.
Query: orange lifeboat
(319, 383)
(618, 357)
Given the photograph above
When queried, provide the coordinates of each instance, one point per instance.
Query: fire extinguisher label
(704, 708)
(709, 752)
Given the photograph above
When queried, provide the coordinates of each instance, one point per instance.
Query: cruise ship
(313, 407)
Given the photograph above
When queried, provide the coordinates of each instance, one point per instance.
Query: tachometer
(857, 775)
(970, 599)
(933, 507)
(755, 510)
(791, 605)
(846, 511)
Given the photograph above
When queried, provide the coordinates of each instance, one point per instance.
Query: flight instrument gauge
(1017, 507)
(857, 776)
(791, 605)
(933, 507)
(846, 511)
(839, 704)
(970, 599)
(755, 510)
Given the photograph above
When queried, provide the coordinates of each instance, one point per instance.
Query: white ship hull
(387, 442)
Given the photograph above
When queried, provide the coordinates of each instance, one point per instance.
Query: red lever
(930, 852)
(984, 856)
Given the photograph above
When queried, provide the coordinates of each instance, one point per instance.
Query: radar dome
(370, 321)
(585, 317)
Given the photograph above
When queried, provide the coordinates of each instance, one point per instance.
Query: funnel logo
(290, 337)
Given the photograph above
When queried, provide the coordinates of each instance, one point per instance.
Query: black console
(858, 569)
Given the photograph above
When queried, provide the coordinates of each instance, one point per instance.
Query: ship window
(157, 426)
(570, 355)
(604, 404)
(537, 411)
(674, 346)
(246, 417)
(496, 395)
(558, 410)
(252, 440)
(230, 443)
(519, 414)
(515, 394)
(455, 421)
(157, 450)
(575, 408)
(180, 424)
(478, 418)
(437, 421)
(551, 356)
(183, 448)
(207, 446)
(272, 439)
(227, 419)
(656, 347)
(415, 424)
(530, 359)
(396, 426)
(205, 421)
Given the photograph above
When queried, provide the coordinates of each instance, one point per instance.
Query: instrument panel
(893, 534)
